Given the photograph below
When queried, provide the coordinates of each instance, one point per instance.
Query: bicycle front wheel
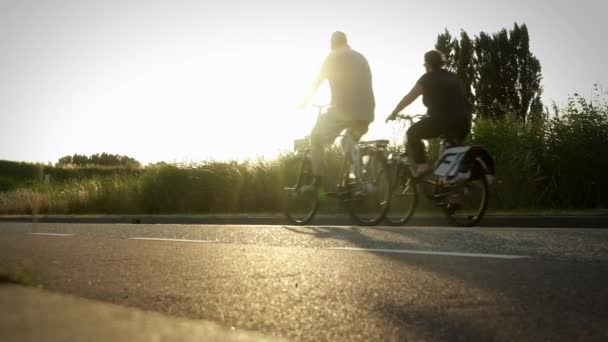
(465, 204)
(370, 196)
(301, 204)
(404, 197)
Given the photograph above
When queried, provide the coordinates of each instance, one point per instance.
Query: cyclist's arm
(407, 99)
(313, 89)
(321, 76)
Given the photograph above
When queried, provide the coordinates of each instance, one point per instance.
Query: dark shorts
(329, 126)
(434, 126)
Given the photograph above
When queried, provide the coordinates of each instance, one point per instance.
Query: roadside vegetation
(553, 162)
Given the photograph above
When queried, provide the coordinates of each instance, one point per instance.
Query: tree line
(501, 76)
(98, 159)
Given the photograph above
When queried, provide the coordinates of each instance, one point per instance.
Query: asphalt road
(332, 283)
(597, 220)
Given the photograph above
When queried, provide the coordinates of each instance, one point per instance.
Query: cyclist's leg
(426, 128)
(355, 130)
(456, 133)
(327, 128)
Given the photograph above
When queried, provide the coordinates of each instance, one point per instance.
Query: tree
(67, 160)
(459, 55)
(500, 74)
(464, 65)
(445, 43)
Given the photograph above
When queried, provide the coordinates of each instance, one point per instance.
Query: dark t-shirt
(444, 96)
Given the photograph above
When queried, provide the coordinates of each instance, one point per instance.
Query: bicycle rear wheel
(465, 204)
(300, 206)
(370, 196)
(404, 197)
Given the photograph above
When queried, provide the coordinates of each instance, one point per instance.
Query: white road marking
(408, 251)
(51, 234)
(171, 240)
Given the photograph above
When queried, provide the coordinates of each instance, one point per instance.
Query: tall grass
(103, 195)
(554, 162)
(207, 187)
(518, 150)
(14, 175)
(545, 163)
(577, 155)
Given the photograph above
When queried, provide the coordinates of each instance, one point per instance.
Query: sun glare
(255, 103)
(233, 104)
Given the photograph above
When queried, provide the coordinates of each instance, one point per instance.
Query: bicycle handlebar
(409, 117)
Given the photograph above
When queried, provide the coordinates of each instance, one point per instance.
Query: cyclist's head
(338, 39)
(434, 60)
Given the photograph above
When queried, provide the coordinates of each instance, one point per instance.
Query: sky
(193, 80)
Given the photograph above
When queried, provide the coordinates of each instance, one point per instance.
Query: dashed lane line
(170, 240)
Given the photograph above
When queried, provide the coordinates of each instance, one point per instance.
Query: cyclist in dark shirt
(447, 111)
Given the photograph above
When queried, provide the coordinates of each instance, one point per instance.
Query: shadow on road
(551, 298)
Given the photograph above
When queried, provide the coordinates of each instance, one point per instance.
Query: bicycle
(364, 184)
(458, 183)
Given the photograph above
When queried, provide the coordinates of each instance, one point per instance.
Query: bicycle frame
(403, 161)
(353, 158)
(363, 173)
(445, 147)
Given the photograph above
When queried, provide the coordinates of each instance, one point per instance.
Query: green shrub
(517, 149)
(19, 174)
(576, 155)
